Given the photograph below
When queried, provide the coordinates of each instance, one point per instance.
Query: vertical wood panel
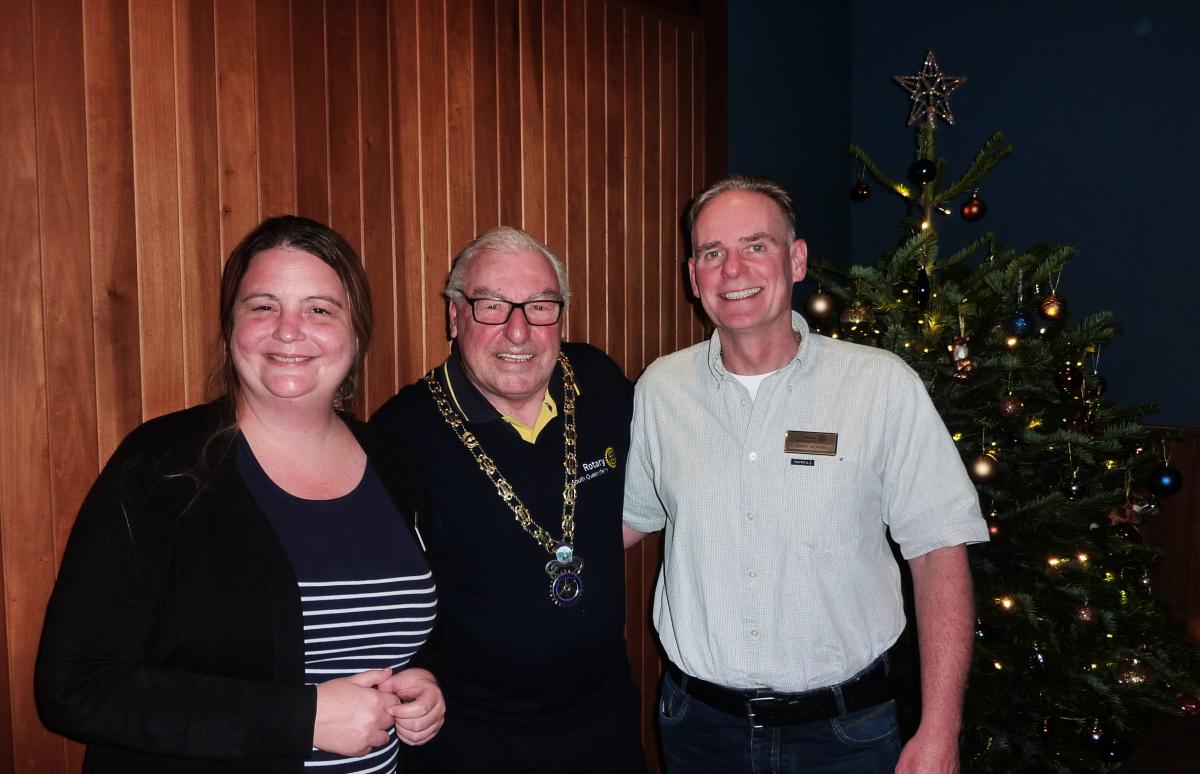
(614, 184)
(345, 181)
(595, 151)
(236, 120)
(410, 272)
(652, 203)
(1177, 533)
(508, 111)
(533, 144)
(460, 122)
(208, 176)
(631, 309)
(688, 182)
(275, 108)
(554, 127)
(435, 224)
(486, 115)
(63, 201)
(575, 167)
(66, 268)
(25, 513)
(112, 227)
(143, 140)
(377, 232)
(311, 109)
(156, 193)
(627, 305)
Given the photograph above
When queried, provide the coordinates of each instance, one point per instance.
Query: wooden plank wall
(143, 138)
(1176, 577)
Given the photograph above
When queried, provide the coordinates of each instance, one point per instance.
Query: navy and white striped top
(366, 591)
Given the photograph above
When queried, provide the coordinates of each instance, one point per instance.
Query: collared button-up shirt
(777, 572)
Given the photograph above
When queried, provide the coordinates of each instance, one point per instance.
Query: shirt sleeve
(929, 501)
(98, 678)
(643, 509)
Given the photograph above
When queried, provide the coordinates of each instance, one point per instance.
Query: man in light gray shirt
(776, 461)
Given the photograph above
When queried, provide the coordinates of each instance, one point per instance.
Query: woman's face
(292, 336)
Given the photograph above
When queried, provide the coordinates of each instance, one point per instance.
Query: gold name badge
(806, 442)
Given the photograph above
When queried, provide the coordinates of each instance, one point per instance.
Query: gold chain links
(503, 488)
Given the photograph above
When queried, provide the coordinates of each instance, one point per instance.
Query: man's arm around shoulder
(631, 536)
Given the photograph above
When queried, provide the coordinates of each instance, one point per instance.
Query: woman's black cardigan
(174, 640)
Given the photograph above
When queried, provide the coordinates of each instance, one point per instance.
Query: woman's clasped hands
(355, 713)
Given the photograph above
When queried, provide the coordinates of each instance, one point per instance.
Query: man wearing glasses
(522, 440)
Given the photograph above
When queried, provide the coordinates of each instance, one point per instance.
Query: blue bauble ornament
(921, 289)
(922, 171)
(1165, 481)
(1020, 324)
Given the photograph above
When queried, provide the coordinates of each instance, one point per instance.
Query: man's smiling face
(509, 364)
(744, 263)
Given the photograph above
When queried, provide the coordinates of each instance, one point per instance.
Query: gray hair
(505, 240)
(761, 185)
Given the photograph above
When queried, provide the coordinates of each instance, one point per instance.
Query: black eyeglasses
(496, 311)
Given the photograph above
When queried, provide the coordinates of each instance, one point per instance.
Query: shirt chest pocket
(822, 501)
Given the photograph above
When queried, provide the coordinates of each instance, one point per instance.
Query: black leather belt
(771, 708)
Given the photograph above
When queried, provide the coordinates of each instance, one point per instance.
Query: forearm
(118, 665)
(631, 536)
(172, 711)
(945, 610)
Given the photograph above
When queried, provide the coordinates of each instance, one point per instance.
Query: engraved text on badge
(806, 442)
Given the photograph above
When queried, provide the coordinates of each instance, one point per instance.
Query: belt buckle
(750, 712)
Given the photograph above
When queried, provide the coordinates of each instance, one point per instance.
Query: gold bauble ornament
(820, 305)
(858, 315)
(983, 468)
(1054, 307)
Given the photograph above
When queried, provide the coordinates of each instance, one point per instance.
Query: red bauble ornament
(860, 192)
(1069, 380)
(1010, 406)
(973, 209)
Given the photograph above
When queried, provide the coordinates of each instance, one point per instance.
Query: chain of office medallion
(503, 488)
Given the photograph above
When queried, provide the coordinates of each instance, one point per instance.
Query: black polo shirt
(503, 651)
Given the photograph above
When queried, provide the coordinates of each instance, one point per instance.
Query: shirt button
(749, 517)
(743, 401)
(754, 632)
(753, 574)
(753, 456)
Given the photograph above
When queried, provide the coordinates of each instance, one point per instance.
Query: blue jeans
(698, 739)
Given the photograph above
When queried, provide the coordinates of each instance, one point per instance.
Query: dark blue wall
(1099, 100)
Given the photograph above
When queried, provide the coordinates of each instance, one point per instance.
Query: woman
(243, 579)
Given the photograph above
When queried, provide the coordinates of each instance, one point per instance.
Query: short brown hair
(768, 188)
(319, 241)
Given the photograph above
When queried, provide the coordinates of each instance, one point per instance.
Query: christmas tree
(1073, 655)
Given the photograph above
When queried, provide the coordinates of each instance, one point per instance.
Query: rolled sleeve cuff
(963, 534)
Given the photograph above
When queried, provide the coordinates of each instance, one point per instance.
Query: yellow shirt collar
(529, 434)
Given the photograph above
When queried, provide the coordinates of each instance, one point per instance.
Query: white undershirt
(751, 382)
